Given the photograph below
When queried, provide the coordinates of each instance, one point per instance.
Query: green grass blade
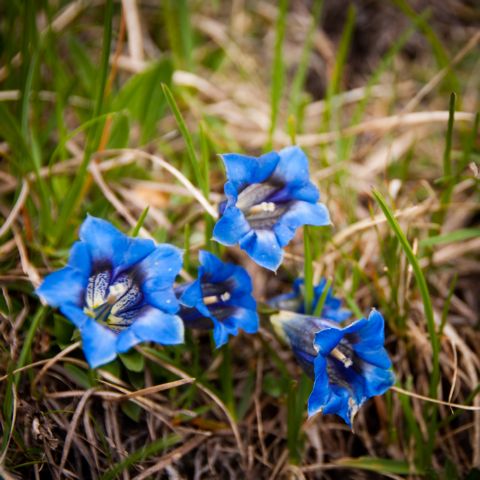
(278, 70)
(379, 465)
(422, 286)
(447, 166)
(143, 453)
(179, 31)
(307, 269)
(301, 73)
(73, 196)
(342, 54)
(441, 55)
(451, 237)
(192, 156)
(140, 222)
(321, 301)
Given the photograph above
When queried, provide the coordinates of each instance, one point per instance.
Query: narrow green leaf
(301, 73)
(133, 361)
(140, 222)
(307, 269)
(422, 286)
(143, 453)
(451, 237)
(380, 465)
(278, 70)
(446, 195)
(321, 301)
(192, 156)
(73, 196)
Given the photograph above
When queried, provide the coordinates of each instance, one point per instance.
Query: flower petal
(326, 340)
(262, 246)
(98, 343)
(158, 272)
(298, 214)
(193, 297)
(80, 259)
(213, 269)
(245, 319)
(107, 244)
(243, 169)
(62, 287)
(343, 398)
(370, 339)
(231, 227)
(292, 168)
(221, 332)
(151, 325)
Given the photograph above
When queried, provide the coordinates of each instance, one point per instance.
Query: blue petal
(321, 390)
(63, 286)
(242, 169)
(74, 314)
(377, 380)
(106, 243)
(98, 343)
(158, 271)
(193, 297)
(371, 340)
(152, 325)
(80, 259)
(326, 340)
(221, 333)
(333, 398)
(300, 213)
(262, 246)
(293, 166)
(308, 193)
(231, 227)
(245, 319)
(213, 269)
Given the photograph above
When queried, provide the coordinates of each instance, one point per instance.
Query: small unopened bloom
(117, 290)
(268, 198)
(220, 298)
(348, 365)
(294, 301)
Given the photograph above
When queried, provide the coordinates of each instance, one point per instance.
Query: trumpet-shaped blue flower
(268, 198)
(221, 298)
(348, 365)
(118, 291)
(294, 301)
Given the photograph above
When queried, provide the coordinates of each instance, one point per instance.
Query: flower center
(111, 301)
(216, 292)
(262, 204)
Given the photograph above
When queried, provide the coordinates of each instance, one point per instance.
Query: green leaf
(422, 285)
(133, 361)
(143, 98)
(307, 269)
(131, 410)
(80, 376)
(451, 237)
(139, 455)
(192, 156)
(380, 465)
(278, 69)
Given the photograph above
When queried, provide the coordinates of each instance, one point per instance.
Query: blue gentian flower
(268, 198)
(295, 301)
(221, 297)
(348, 365)
(118, 291)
